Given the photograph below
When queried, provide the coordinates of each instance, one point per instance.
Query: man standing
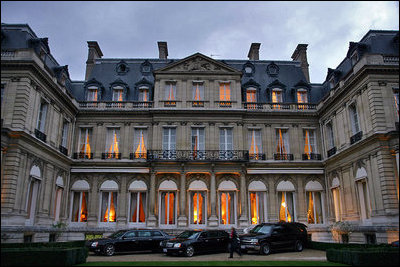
(234, 243)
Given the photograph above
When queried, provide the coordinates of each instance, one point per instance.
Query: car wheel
(298, 246)
(189, 252)
(109, 250)
(265, 249)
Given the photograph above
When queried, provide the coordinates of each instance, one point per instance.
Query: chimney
(94, 52)
(254, 51)
(300, 54)
(162, 50)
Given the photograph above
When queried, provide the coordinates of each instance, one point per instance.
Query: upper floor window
(42, 116)
(169, 142)
(355, 127)
(85, 139)
(396, 98)
(144, 94)
(255, 147)
(118, 92)
(277, 97)
(198, 143)
(170, 93)
(282, 141)
(309, 143)
(2, 92)
(198, 93)
(302, 98)
(112, 144)
(140, 143)
(224, 94)
(64, 137)
(331, 139)
(251, 97)
(92, 94)
(354, 58)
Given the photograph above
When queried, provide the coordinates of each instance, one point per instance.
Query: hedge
(364, 257)
(70, 244)
(325, 246)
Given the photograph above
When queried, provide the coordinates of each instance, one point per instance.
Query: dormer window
(144, 94)
(118, 92)
(302, 98)
(122, 68)
(331, 83)
(251, 97)
(92, 94)
(354, 58)
(276, 98)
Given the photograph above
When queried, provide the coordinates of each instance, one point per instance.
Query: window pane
(140, 143)
(198, 91)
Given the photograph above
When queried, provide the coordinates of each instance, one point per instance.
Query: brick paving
(306, 255)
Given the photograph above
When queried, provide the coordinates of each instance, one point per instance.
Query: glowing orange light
(275, 99)
(307, 147)
(253, 147)
(112, 211)
(83, 208)
(310, 212)
(301, 98)
(113, 146)
(251, 97)
(281, 145)
(224, 92)
(225, 205)
(254, 215)
(85, 149)
(141, 149)
(283, 212)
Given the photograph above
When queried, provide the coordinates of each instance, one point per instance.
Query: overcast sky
(222, 29)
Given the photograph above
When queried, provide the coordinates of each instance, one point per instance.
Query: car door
(277, 237)
(157, 237)
(145, 240)
(201, 244)
(126, 242)
(223, 240)
(212, 241)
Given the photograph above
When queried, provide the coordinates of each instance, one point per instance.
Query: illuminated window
(118, 93)
(335, 189)
(225, 143)
(396, 98)
(276, 98)
(255, 145)
(79, 207)
(140, 143)
(251, 97)
(138, 207)
(108, 206)
(42, 117)
(257, 202)
(354, 119)
(227, 207)
(309, 143)
(112, 143)
(143, 94)
(169, 142)
(314, 207)
(198, 145)
(170, 93)
(168, 207)
(282, 141)
(85, 150)
(92, 94)
(198, 94)
(197, 207)
(225, 95)
(302, 98)
(286, 206)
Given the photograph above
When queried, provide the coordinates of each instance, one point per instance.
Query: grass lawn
(213, 263)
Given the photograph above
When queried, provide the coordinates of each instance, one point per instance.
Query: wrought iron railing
(256, 156)
(116, 104)
(108, 155)
(279, 106)
(40, 135)
(224, 104)
(197, 155)
(356, 137)
(63, 150)
(280, 156)
(83, 155)
(332, 151)
(136, 155)
(311, 156)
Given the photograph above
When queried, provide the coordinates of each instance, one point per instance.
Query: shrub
(325, 246)
(383, 256)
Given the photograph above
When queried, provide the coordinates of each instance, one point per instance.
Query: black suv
(196, 241)
(128, 240)
(266, 237)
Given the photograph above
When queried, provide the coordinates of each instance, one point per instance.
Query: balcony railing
(40, 135)
(332, 151)
(108, 155)
(256, 156)
(311, 156)
(197, 155)
(63, 150)
(138, 155)
(82, 155)
(279, 106)
(198, 104)
(356, 137)
(224, 104)
(116, 104)
(279, 156)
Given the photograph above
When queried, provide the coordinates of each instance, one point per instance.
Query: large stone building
(198, 142)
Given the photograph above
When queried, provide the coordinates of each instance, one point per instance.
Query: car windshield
(117, 234)
(261, 229)
(188, 234)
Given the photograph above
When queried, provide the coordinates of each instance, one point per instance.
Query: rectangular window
(224, 92)
(42, 117)
(64, 137)
(198, 207)
(2, 92)
(168, 208)
(57, 205)
(286, 206)
(314, 210)
(198, 143)
(302, 98)
(255, 145)
(354, 119)
(85, 139)
(331, 139)
(309, 143)
(396, 98)
(140, 143)
(79, 207)
(112, 143)
(138, 207)
(118, 94)
(227, 207)
(364, 199)
(170, 93)
(92, 94)
(336, 203)
(257, 200)
(143, 94)
(282, 140)
(198, 91)
(169, 142)
(108, 206)
(225, 143)
(32, 199)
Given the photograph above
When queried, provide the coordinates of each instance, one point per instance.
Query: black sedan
(191, 242)
(267, 237)
(127, 241)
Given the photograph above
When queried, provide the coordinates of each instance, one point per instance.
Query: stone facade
(65, 154)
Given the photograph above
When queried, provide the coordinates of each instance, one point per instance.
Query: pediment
(198, 63)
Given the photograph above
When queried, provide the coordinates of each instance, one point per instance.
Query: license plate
(243, 247)
(164, 250)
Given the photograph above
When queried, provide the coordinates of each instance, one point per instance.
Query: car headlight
(94, 244)
(254, 240)
(177, 245)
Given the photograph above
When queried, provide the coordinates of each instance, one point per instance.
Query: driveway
(306, 255)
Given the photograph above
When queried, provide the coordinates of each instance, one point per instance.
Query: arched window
(335, 189)
(257, 202)
(286, 201)
(227, 203)
(197, 203)
(314, 199)
(58, 198)
(168, 203)
(35, 178)
(79, 205)
(138, 202)
(108, 201)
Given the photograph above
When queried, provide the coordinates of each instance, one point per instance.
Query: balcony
(356, 137)
(108, 155)
(332, 151)
(133, 156)
(311, 156)
(224, 104)
(197, 103)
(256, 156)
(40, 135)
(82, 155)
(115, 105)
(197, 155)
(280, 156)
(63, 150)
(279, 106)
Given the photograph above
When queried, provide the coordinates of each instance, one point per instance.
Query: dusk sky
(222, 30)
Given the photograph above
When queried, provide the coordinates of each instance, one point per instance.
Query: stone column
(213, 220)
(182, 219)
(123, 196)
(152, 219)
(93, 202)
(243, 220)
